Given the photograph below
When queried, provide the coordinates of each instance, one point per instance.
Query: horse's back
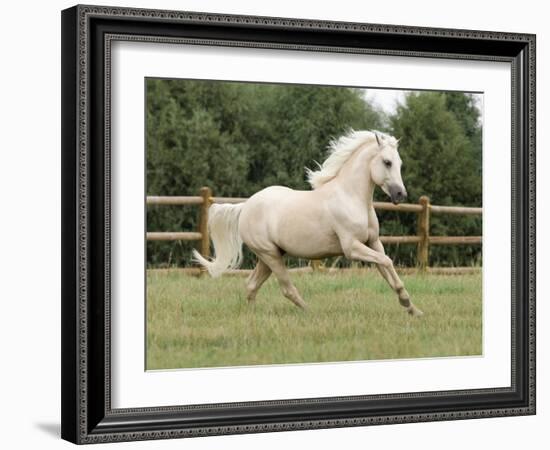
(262, 207)
(271, 201)
(270, 193)
(291, 220)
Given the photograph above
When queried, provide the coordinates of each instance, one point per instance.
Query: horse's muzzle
(398, 194)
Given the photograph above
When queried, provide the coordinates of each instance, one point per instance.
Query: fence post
(423, 233)
(316, 265)
(206, 194)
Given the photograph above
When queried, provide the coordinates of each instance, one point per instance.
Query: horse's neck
(355, 177)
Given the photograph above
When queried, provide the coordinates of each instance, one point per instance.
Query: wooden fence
(423, 209)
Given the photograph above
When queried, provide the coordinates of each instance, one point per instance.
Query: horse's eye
(387, 163)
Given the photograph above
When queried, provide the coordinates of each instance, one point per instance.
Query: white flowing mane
(340, 150)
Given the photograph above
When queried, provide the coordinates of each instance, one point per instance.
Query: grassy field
(204, 322)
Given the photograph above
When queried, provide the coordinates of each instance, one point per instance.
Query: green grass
(205, 322)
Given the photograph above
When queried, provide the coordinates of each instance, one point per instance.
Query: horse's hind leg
(275, 262)
(258, 276)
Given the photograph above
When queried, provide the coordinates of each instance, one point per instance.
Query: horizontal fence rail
(454, 240)
(175, 200)
(174, 236)
(458, 210)
(423, 209)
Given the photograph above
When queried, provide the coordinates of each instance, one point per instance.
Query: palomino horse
(337, 217)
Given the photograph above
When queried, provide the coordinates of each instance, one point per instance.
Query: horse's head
(385, 169)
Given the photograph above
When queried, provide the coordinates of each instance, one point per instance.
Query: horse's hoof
(415, 312)
(301, 306)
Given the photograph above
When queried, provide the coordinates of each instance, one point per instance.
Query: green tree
(464, 107)
(292, 125)
(236, 138)
(439, 135)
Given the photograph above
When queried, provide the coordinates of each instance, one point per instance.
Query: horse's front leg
(375, 253)
(390, 275)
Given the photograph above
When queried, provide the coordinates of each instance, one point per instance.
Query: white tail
(223, 227)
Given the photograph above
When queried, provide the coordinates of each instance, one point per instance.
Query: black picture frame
(87, 416)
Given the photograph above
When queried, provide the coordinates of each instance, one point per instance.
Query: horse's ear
(377, 139)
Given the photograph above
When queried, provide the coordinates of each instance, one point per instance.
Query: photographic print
(276, 224)
(296, 224)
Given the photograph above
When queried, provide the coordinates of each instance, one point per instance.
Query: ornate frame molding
(83, 421)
